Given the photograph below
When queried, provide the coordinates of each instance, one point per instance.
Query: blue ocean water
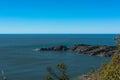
(21, 62)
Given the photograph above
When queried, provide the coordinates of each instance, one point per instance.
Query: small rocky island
(99, 50)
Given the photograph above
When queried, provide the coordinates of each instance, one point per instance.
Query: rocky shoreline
(99, 50)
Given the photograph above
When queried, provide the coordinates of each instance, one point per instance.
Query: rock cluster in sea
(99, 50)
(56, 48)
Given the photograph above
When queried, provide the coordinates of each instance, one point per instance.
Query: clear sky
(59, 16)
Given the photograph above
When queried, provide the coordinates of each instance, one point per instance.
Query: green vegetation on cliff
(108, 71)
(111, 70)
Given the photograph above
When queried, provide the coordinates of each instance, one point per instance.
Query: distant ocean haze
(21, 62)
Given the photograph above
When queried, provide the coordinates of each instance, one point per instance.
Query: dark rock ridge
(56, 48)
(99, 50)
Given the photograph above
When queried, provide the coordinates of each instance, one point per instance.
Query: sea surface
(20, 62)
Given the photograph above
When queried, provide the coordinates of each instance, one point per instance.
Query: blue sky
(59, 16)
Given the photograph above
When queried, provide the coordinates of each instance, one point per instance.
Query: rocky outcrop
(99, 50)
(56, 48)
(102, 50)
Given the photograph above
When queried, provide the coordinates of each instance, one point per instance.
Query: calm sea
(21, 62)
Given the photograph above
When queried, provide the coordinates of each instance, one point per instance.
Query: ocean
(20, 62)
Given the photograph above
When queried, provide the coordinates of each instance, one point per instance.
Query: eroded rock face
(99, 50)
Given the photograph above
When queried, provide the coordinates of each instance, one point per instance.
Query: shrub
(54, 76)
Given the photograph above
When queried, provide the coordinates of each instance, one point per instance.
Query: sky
(59, 16)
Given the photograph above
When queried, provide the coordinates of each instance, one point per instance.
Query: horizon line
(58, 33)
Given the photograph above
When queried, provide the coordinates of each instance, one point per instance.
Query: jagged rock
(60, 48)
(99, 50)
(56, 48)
